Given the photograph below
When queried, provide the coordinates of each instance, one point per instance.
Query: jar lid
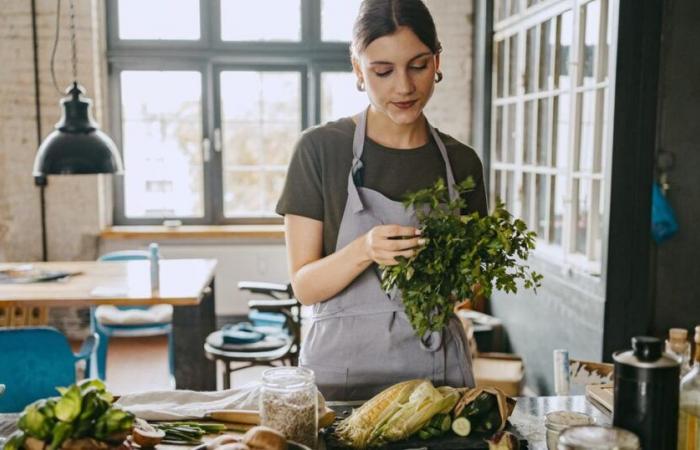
(287, 377)
(595, 437)
(646, 353)
(561, 420)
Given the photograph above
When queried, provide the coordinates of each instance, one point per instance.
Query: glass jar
(557, 421)
(288, 403)
(594, 437)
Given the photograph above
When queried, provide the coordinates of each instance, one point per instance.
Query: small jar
(557, 421)
(288, 403)
(595, 437)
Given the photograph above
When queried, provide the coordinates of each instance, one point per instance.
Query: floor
(141, 364)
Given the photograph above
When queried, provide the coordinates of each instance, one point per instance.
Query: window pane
(527, 198)
(601, 145)
(243, 20)
(543, 124)
(541, 206)
(162, 135)
(337, 17)
(261, 118)
(590, 39)
(565, 38)
(509, 199)
(140, 19)
(500, 59)
(547, 40)
(557, 214)
(339, 97)
(561, 131)
(513, 65)
(531, 60)
(588, 117)
(497, 196)
(582, 204)
(500, 9)
(530, 131)
(511, 135)
(498, 134)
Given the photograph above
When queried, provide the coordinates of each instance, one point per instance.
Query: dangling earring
(360, 85)
(438, 76)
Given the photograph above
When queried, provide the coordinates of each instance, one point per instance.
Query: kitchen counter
(528, 417)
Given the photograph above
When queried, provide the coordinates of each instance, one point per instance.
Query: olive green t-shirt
(317, 179)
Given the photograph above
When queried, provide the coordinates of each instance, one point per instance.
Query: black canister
(646, 394)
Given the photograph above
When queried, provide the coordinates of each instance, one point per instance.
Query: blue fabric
(241, 333)
(663, 220)
(35, 360)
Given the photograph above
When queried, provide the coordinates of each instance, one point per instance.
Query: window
(209, 96)
(550, 124)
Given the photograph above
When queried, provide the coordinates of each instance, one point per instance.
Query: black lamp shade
(77, 146)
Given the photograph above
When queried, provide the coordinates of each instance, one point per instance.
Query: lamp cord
(39, 181)
(55, 46)
(74, 46)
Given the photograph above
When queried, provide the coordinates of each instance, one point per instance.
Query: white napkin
(187, 405)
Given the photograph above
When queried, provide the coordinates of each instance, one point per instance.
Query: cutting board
(448, 442)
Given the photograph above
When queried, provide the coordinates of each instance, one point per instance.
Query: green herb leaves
(464, 255)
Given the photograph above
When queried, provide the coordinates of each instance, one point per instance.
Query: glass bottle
(289, 403)
(689, 414)
(677, 345)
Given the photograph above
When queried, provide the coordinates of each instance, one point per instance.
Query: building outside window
(551, 119)
(208, 98)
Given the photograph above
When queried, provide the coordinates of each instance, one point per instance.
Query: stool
(262, 353)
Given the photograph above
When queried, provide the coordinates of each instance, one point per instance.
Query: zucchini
(435, 432)
(480, 406)
(461, 426)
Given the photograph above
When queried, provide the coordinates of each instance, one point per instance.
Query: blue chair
(107, 328)
(34, 361)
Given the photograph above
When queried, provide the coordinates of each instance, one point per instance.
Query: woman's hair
(379, 18)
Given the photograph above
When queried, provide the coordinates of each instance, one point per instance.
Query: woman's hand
(384, 243)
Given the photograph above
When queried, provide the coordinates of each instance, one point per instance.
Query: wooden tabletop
(182, 282)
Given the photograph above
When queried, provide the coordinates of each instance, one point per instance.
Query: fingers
(389, 258)
(397, 231)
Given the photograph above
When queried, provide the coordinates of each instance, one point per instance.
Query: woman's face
(398, 72)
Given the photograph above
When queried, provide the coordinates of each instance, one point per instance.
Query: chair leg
(227, 375)
(171, 359)
(102, 354)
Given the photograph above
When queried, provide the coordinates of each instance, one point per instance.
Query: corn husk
(396, 413)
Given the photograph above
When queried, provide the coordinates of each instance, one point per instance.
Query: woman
(344, 216)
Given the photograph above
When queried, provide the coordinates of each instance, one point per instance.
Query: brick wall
(450, 107)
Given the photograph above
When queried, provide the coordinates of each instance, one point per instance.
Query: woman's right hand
(384, 243)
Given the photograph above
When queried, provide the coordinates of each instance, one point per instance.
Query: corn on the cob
(357, 429)
(396, 413)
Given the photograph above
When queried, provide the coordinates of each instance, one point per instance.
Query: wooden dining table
(187, 284)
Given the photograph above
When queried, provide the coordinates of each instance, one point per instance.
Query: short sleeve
(302, 194)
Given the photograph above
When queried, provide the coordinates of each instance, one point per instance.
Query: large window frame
(210, 56)
(513, 20)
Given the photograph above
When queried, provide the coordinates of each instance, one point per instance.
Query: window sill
(159, 232)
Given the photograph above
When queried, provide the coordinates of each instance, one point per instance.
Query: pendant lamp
(76, 146)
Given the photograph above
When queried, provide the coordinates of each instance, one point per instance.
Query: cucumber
(424, 434)
(461, 426)
(435, 432)
(446, 423)
(436, 421)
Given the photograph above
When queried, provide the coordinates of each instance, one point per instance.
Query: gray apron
(360, 341)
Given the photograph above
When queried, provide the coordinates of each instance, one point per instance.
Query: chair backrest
(33, 362)
(125, 255)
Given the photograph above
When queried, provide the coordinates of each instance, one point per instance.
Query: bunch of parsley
(464, 255)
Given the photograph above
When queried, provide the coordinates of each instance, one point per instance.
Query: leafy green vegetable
(15, 441)
(82, 411)
(464, 255)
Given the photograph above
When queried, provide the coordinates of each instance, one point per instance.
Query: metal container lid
(595, 437)
(561, 420)
(646, 353)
